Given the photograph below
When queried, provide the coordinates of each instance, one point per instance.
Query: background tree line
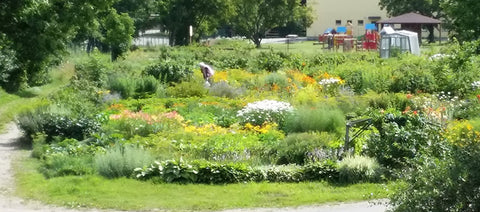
(35, 34)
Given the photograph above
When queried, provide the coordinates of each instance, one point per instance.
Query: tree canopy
(253, 19)
(430, 8)
(204, 16)
(462, 18)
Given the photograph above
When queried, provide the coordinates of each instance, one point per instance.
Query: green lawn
(130, 194)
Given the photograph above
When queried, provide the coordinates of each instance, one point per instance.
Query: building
(335, 13)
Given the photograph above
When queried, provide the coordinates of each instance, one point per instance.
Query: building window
(338, 22)
(360, 22)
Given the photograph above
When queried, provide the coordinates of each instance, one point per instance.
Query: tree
(462, 18)
(38, 32)
(430, 8)
(204, 16)
(253, 18)
(140, 11)
(118, 30)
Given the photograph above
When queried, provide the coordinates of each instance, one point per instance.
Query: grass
(12, 104)
(129, 194)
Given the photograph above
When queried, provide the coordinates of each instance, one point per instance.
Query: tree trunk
(431, 35)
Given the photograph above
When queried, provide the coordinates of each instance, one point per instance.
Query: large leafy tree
(462, 18)
(140, 11)
(253, 18)
(430, 8)
(35, 35)
(204, 16)
(118, 30)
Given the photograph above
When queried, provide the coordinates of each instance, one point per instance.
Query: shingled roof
(410, 18)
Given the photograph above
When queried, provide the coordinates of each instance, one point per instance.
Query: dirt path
(9, 203)
(9, 149)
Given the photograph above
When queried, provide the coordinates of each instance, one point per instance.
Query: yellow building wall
(334, 13)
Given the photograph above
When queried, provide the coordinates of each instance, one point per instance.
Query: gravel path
(9, 203)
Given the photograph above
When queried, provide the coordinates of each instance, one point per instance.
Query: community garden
(269, 117)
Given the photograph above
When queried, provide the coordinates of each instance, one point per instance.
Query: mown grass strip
(130, 194)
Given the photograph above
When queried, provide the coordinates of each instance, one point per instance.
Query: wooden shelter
(413, 22)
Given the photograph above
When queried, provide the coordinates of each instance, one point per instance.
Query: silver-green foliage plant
(354, 169)
(120, 161)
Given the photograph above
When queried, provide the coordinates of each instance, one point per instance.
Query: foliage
(223, 89)
(259, 112)
(325, 170)
(121, 160)
(359, 169)
(427, 8)
(63, 165)
(204, 16)
(441, 184)
(402, 137)
(53, 123)
(187, 89)
(140, 11)
(413, 77)
(94, 71)
(8, 63)
(460, 18)
(54, 24)
(315, 119)
(169, 71)
(253, 19)
(269, 61)
(119, 30)
(301, 148)
(173, 171)
(456, 70)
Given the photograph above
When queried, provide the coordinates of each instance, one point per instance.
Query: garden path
(9, 150)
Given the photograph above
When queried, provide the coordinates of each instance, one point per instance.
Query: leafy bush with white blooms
(260, 112)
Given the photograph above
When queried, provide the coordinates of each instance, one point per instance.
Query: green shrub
(45, 120)
(230, 147)
(173, 171)
(413, 75)
(317, 171)
(442, 183)
(187, 89)
(120, 161)
(301, 148)
(223, 89)
(269, 61)
(385, 101)
(359, 169)
(94, 70)
(170, 71)
(125, 86)
(62, 165)
(315, 119)
(8, 67)
(283, 174)
(402, 137)
(277, 79)
(146, 86)
(226, 118)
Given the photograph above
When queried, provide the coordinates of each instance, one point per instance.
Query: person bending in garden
(207, 72)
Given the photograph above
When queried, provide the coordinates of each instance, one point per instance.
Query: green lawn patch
(129, 194)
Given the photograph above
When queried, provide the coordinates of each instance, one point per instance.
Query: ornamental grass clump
(260, 112)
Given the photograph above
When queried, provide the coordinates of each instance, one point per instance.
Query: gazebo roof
(410, 18)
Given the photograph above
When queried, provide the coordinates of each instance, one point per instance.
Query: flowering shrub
(259, 112)
(330, 83)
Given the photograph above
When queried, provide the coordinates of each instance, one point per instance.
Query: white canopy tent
(394, 42)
